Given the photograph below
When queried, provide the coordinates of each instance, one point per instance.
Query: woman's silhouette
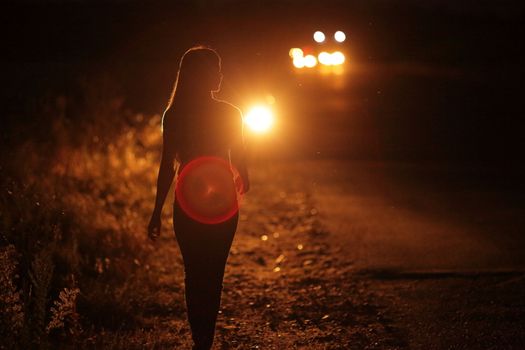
(201, 134)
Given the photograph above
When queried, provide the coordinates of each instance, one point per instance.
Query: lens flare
(259, 119)
(319, 36)
(339, 36)
(206, 190)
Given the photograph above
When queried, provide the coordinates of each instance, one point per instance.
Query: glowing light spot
(339, 36)
(319, 36)
(259, 119)
(325, 58)
(300, 247)
(264, 238)
(310, 61)
(298, 62)
(295, 52)
(338, 58)
(276, 269)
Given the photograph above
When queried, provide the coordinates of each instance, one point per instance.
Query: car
(326, 54)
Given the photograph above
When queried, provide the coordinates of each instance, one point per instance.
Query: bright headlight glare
(296, 52)
(339, 36)
(310, 61)
(299, 62)
(259, 119)
(338, 58)
(319, 36)
(325, 58)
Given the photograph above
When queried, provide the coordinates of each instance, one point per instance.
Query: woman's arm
(238, 154)
(164, 181)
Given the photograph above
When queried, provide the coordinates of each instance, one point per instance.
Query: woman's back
(210, 128)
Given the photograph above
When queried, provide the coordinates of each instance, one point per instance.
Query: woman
(201, 134)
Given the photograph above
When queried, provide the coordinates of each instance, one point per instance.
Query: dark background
(432, 81)
(390, 196)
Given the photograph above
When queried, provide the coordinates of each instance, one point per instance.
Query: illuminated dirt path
(438, 244)
(288, 285)
(309, 270)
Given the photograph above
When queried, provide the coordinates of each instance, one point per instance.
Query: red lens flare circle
(206, 190)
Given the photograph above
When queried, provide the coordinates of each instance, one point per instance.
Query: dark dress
(212, 130)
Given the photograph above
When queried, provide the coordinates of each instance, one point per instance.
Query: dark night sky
(48, 45)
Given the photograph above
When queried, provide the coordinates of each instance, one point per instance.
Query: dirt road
(446, 253)
(288, 285)
(323, 260)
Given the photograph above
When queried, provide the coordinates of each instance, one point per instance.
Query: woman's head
(199, 72)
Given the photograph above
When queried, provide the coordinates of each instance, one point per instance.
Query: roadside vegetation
(76, 174)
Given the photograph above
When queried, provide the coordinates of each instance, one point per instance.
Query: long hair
(199, 72)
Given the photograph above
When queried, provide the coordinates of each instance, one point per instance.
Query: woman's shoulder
(228, 108)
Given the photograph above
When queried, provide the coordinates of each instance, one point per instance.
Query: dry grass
(71, 234)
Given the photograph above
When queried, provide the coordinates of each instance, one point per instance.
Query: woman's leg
(205, 250)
